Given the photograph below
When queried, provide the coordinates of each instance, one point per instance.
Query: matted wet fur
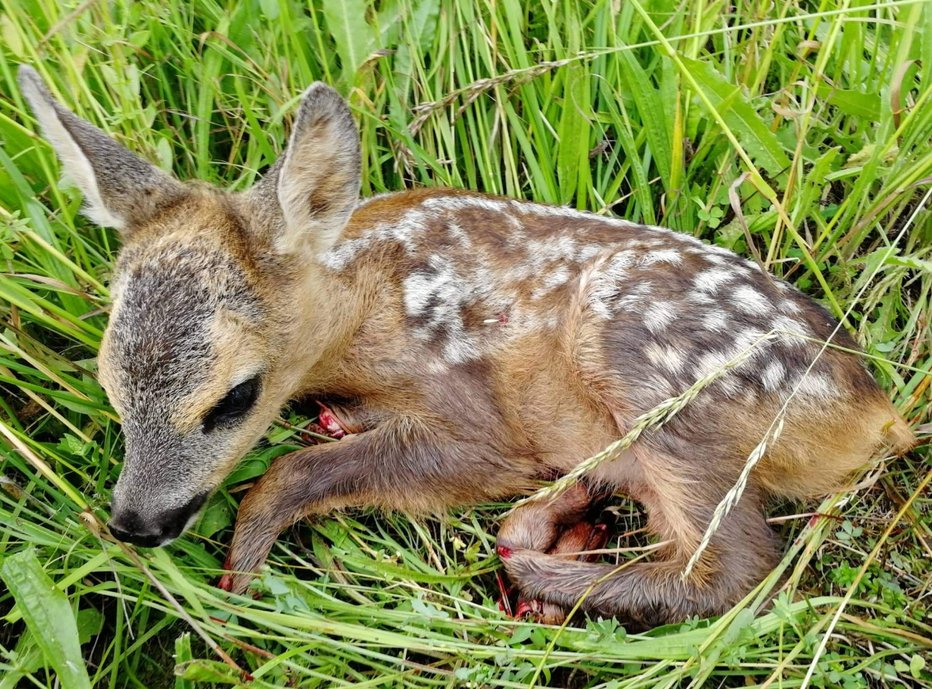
(478, 343)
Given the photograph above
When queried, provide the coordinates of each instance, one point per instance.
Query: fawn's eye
(234, 405)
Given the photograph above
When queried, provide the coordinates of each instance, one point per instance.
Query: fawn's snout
(150, 530)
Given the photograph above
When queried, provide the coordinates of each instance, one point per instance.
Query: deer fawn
(477, 343)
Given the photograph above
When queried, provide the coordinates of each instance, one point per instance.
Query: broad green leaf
(257, 463)
(916, 665)
(864, 105)
(887, 257)
(216, 516)
(735, 108)
(355, 38)
(89, 621)
(48, 616)
(417, 30)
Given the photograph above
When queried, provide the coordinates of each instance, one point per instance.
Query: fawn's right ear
(120, 188)
(315, 184)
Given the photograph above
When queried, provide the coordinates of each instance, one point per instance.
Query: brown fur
(478, 344)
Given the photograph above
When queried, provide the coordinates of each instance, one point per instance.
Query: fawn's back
(582, 323)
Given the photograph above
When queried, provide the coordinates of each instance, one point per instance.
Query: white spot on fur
(458, 350)
(634, 297)
(773, 376)
(562, 247)
(791, 331)
(557, 278)
(715, 320)
(725, 259)
(658, 315)
(462, 202)
(418, 289)
(589, 251)
(458, 234)
(750, 339)
(750, 300)
(671, 256)
(542, 257)
(342, 253)
(713, 278)
(718, 259)
(436, 298)
(668, 357)
(661, 236)
(721, 251)
(816, 385)
(713, 363)
(748, 344)
(656, 236)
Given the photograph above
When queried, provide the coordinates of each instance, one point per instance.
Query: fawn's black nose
(130, 526)
(127, 527)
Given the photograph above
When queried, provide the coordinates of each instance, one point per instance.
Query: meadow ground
(795, 133)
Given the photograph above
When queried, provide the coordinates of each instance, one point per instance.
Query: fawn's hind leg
(559, 527)
(555, 527)
(538, 525)
(646, 594)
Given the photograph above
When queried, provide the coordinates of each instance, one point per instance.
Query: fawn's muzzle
(130, 526)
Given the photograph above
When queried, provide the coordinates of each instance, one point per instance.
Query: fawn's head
(194, 356)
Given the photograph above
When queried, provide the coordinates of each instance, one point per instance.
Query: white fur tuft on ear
(76, 167)
(319, 178)
(119, 187)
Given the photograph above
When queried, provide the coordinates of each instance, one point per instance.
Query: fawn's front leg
(403, 464)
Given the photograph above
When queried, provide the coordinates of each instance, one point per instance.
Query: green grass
(797, 132)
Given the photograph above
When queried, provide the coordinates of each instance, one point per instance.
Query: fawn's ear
(120, 188)
(319, 176)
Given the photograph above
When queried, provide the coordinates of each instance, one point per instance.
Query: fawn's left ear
(317, 180)
(120, 188)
